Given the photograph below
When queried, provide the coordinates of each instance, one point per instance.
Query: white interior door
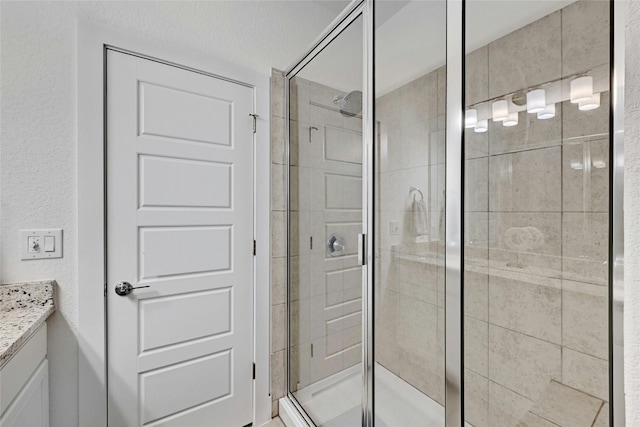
(180, 221)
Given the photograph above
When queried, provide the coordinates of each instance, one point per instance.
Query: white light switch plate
(40, 251)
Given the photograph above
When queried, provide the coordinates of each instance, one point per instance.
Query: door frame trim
(91, 62)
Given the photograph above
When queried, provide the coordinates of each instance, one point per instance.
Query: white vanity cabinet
(24, 385)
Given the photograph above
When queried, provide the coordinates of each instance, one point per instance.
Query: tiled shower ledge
(23, 308)
(532, 275)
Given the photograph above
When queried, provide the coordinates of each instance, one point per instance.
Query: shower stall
(454, 216)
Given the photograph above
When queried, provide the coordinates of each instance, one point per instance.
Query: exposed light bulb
(581, 89)
(470, 118)
(536, 101)
(500, 110)
(511, 120)
(482, 126)
(590, 104)
(549, 112)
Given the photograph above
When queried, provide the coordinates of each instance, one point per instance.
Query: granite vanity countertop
(23, 308)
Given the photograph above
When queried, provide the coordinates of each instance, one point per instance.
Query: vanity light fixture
(482, 126)
(511, 120)
(576, 165)
(581, 89)
(470, 118)
(549, 112)
(500, 110)
(536, 101)
(590, 104)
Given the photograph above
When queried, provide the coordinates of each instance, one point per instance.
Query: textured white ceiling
(257, 34)
(261, 34)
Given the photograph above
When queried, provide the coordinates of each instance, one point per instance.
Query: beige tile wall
(409, 320)
(278, 241)
(547, 321)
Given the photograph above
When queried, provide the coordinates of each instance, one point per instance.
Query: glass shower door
(488, 286)
(409, 317)
(325, 220)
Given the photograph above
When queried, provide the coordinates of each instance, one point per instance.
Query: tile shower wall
(536, 321)
(278, 241)
(409, 319)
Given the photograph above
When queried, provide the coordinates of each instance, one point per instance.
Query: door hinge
(255, 119)
(311, 349)
(254, 248)
(311, 243)
(254, 371)
(105, 290)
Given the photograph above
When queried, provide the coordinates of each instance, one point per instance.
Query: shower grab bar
(412, 189)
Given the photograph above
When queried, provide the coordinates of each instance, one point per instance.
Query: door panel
(179, 221)
(168, 251)
(194, 316)
(167, 391)
(197, 118)
(167, 182)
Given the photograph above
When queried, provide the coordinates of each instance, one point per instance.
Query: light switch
(41, 244)
(49, 243)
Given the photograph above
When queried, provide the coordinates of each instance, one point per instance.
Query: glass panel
(536, 213)
(410, 48)
(325, 351)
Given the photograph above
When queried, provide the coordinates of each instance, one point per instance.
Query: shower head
(350, 104)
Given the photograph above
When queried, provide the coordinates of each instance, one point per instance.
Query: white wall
(38, 173)
(38, 169)
(632, 207)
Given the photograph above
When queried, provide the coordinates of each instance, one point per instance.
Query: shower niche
(382, 295)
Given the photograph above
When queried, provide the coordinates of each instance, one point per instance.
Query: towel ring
(412, 189)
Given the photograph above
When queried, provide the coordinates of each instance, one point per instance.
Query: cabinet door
(31, 406)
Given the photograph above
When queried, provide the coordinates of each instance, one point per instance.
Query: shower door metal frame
(355, 10)
(454, 208)
(616, 215)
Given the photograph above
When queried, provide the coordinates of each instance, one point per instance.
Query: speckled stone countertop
(23, 308)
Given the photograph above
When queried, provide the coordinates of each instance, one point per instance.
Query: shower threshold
(335, 402)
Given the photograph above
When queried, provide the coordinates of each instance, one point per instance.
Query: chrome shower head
(350, 104)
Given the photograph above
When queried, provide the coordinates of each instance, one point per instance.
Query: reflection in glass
(536, 215)
(410, 191)
(325, 294)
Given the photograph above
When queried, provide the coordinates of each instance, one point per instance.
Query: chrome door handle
(335, 245)
(125, 288)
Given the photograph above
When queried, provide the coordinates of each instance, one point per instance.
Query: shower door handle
(362, 249)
